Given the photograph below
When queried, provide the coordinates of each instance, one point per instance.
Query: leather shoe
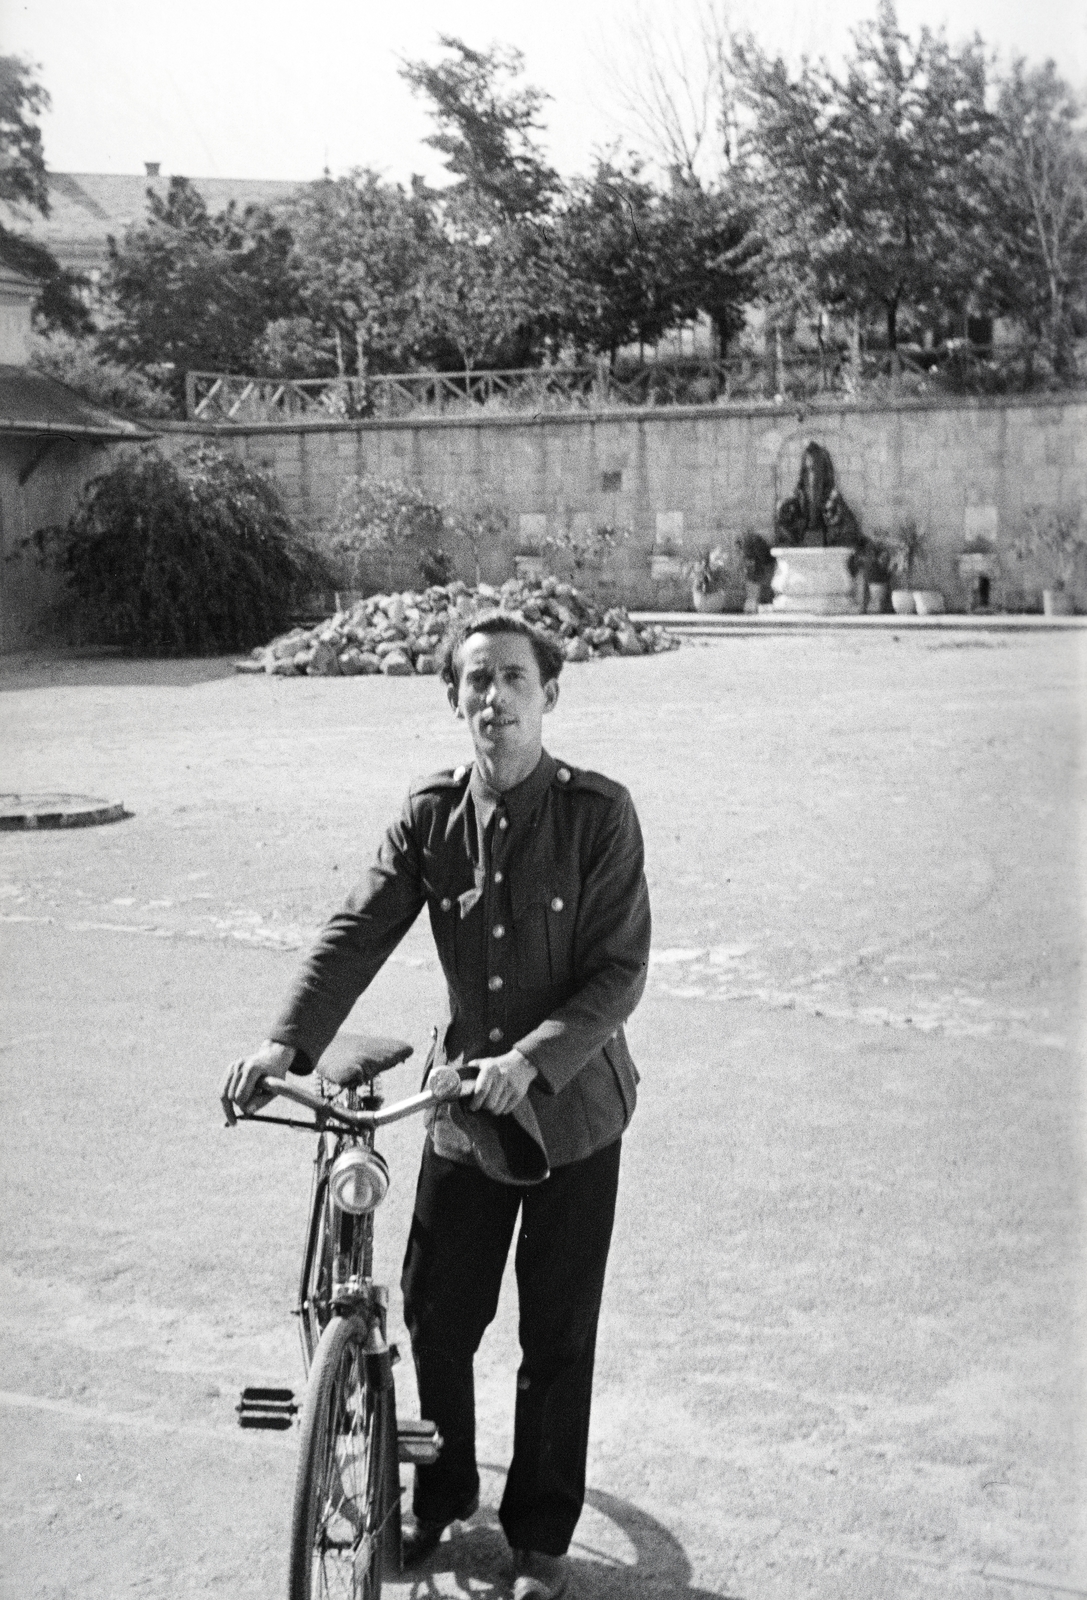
(540, 1576)
(420, 1537)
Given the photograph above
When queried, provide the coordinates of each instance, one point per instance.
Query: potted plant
(877, 573)
(665, 562)
(588, 548)
(906, 543)
(977, 564)
(711, 579)
(1056, 538)
(757, 560)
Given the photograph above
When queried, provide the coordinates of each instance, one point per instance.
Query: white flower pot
(1057, 603)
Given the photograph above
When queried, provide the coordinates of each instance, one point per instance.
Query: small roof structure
(32, 405)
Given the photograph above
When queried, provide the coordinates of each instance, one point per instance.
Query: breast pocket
(445, 903)
(544, 914)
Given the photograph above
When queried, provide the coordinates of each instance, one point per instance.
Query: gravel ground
(841, 1347)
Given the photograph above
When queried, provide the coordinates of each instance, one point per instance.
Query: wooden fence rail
(223, 398)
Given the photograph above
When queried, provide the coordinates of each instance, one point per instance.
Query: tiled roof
(31, 403)
(86, 207)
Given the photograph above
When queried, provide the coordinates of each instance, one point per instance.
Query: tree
(1034, 254)
(713, 253)
(75, 362)
(675, 90)
(193, 291)
(487, 290)
(867, 182)
(60, 306)
(24, 183)
(23, 180)
(612, 248)
(359, 253)
(486, 126)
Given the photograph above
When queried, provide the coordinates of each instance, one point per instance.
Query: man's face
(502, 698)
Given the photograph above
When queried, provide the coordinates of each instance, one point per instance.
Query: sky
(281, 89)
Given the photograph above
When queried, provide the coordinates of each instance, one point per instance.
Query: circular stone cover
(53, 810)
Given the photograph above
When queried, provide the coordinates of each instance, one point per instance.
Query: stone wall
(695, 476)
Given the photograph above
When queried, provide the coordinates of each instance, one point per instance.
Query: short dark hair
(548, 653)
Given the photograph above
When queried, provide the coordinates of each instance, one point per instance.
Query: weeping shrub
(189, 557)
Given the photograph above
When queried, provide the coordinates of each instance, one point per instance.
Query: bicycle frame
(337, 1262)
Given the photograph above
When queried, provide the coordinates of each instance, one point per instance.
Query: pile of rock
(401, 634)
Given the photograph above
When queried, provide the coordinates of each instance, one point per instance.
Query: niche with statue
(816, 537)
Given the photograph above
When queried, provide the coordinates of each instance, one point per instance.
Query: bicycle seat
(353, 1059)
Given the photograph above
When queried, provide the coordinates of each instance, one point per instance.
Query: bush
(193, 557)
(102, 382)
(379, 521)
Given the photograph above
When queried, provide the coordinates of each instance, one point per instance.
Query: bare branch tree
(673, 88)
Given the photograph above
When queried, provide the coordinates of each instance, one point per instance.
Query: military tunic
(540, 914)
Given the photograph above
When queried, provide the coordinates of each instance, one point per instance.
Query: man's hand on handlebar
(242, 1084)
(502, 1082)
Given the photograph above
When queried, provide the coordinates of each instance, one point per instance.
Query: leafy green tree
(487, 125)
(868, 181)
(713, 251)
(60, 306)
(24, 184)
(611, 244)
(195, 291)
(76, 362)
(487, 292)
(23, 180)
(360, 248)
(1032, 257)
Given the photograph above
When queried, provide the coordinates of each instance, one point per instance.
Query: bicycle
(345, 1518)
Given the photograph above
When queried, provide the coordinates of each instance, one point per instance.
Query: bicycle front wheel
(345, 1507)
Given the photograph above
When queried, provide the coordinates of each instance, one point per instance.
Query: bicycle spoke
(347, 1537)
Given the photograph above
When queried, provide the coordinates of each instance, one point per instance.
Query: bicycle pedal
(266, 1408)
(418, 1442)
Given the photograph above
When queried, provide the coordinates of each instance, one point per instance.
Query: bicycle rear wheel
(346, 1504)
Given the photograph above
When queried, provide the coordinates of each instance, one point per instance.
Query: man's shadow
(649, 1562)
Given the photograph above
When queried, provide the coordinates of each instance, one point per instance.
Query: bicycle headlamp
(359, 1180)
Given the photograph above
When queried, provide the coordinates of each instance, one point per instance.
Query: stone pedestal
(814, 580)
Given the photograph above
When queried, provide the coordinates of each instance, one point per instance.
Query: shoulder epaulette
(567, 777)
(450, 778)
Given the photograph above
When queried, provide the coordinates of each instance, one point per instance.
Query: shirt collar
(521, 800)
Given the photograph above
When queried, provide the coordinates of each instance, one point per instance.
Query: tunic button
(494, 1035)
(498, 877)
(563, 774)
(498, 930)
(447, 905)
(503, 822)
(494, 983)
(459, 774)
(556, 904)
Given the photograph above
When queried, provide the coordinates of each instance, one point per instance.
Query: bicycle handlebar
(444, 1084)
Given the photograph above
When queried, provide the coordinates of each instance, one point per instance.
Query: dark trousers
(457, 1248)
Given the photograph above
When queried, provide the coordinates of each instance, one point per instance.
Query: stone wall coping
(796, 410)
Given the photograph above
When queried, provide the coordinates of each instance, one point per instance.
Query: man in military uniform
(532, 873)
